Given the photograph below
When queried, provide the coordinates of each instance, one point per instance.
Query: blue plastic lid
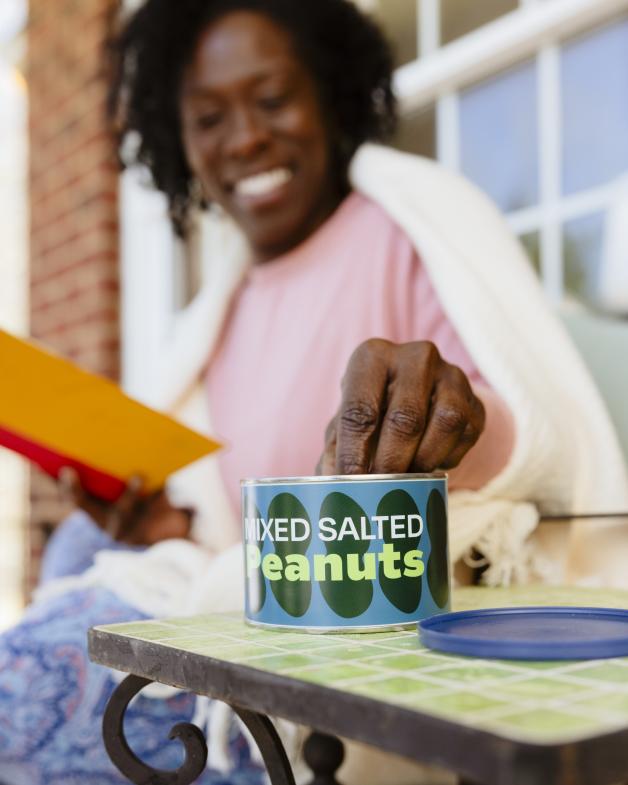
(543, 633)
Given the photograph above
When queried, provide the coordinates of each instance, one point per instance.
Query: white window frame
(535, 30)
(148, 257)
(147, 274)
(14, 504)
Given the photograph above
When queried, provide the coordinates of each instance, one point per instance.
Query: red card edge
(100, 484)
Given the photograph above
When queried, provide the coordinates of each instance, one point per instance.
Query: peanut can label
(345, 553)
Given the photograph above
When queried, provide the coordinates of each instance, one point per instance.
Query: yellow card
(57, 414)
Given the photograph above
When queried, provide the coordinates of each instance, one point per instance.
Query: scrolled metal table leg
(127, 761)
(270, 746)
(135, 770)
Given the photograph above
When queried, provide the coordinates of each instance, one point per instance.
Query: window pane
(582, 242)
(417, 133)
(532, 246)
(459, 17)
(398, 18)
(498, 144)
(594, 72)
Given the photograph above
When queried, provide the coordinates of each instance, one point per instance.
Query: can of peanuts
(355, 553)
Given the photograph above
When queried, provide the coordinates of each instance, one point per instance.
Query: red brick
(74, 208)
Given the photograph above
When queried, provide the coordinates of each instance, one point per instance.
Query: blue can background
(381, 612)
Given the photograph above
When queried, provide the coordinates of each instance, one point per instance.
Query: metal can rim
(365, 629)
(342, 478)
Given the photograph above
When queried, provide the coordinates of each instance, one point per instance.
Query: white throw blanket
(565, 457)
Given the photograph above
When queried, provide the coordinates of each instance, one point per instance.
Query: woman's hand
(134, 518)
(403, 409)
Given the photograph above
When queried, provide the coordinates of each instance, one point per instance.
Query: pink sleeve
(423, 318)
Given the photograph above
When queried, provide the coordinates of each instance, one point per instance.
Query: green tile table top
(536, 702)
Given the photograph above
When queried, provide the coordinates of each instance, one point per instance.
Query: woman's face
(255, 134)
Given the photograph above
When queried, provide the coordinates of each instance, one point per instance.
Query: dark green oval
(403, 592)
(347, 598)
(293, 596)
(438, 563)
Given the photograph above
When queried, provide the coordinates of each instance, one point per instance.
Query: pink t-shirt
(274, 378)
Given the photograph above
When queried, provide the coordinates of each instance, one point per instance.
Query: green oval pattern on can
(347, 598)
(293, 596)
(438, 563)
(256, 585)
(403, 592)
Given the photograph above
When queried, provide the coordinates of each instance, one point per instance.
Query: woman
(358, 264)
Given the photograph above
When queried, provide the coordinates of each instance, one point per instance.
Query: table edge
(481, 755)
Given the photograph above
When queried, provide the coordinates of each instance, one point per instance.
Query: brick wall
(74, 287)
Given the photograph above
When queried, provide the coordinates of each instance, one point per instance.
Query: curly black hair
(344, 49)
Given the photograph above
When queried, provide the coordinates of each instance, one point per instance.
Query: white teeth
(260, 184)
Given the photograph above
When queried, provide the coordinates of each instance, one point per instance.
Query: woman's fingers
(469, 436)
(73, 492)
(161, 521)
(363, 402)
(122, 514)
(403, 409)
(403, 422)
(70, 485)
(454, 424)
(135, 517)
(130, 496)
(327, 462)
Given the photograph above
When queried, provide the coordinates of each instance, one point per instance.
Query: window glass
(398, 18)
(582, 245)
(532, 246)
(498, 137)
(459, 17)
(417, 132)
(594, 74)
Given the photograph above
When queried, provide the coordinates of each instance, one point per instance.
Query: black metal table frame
(475, 755)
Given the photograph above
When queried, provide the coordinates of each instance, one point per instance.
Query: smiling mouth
(263, 184)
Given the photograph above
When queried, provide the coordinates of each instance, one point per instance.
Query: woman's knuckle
(375, 345)
(351, 462)
(359, 417)
(370, 349)
(458, 376)
(428, 350)
(405, 421)
(450, 418)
